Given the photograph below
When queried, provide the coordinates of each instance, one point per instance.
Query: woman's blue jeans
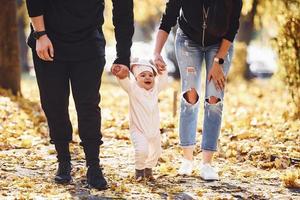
(190, 56)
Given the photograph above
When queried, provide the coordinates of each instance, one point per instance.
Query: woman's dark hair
(219, 17)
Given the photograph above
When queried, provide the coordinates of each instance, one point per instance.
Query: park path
(28, 163)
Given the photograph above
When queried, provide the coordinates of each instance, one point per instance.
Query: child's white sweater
(144, 111)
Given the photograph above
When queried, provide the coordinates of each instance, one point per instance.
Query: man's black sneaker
(63, 174)
(95, 178)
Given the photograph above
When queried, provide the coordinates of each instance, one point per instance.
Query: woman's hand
(217, 75)
(159, 62)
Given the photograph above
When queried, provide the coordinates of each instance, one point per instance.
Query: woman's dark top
(75, 27)
(191, 20)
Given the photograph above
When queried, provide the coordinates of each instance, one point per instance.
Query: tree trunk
(22, 25)
(9, 50)
(246, 29)
(245, 34)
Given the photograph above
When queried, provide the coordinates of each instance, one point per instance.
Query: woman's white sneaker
(208, 173)
(186, 167)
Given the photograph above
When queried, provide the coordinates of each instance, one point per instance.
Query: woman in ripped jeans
(206, 32)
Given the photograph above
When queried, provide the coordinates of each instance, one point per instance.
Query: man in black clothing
(68, 48)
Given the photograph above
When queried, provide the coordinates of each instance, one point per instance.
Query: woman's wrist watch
(219, 60)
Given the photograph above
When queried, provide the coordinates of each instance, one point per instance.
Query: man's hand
(217, 75)
(120, 71)
(115, 69)
(159, 63)
(44, 48)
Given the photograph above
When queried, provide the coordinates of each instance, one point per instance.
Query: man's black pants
(54, 80)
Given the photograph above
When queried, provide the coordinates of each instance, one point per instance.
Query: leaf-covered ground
(259, 148)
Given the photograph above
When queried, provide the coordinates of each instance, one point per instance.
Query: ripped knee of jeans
(213, 100)
(191, 96)
(214, 104)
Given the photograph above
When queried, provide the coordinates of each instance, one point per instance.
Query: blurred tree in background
(288, 46)
(286, 14)
(23, 23)
(244, 37)
(9, 47)
(281, 18)
(247, 26)
(147, 15)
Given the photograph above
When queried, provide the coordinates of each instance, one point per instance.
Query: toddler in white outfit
(144, 124)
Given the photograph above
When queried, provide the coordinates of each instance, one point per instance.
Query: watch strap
(38, 34)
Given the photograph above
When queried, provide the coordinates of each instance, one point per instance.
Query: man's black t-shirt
(75, 27)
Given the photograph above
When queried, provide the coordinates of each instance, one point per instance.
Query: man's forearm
(38, 23)
(124, 29)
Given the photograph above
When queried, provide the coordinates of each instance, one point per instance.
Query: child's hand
(115, 69)
(120, 71)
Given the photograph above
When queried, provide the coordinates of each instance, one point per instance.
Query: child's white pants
(146, 152)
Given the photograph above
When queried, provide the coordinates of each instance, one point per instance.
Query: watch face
(221, 61)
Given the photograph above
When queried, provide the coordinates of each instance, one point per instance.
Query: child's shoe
(139, 174)
(186, 167)
(149, 174)
(208, 173)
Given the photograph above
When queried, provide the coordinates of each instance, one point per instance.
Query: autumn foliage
(284, 15)
(288, 45)
(259, 145)
(258, 152)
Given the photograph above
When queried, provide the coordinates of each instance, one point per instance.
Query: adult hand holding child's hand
(159, 62)
(120, 71)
